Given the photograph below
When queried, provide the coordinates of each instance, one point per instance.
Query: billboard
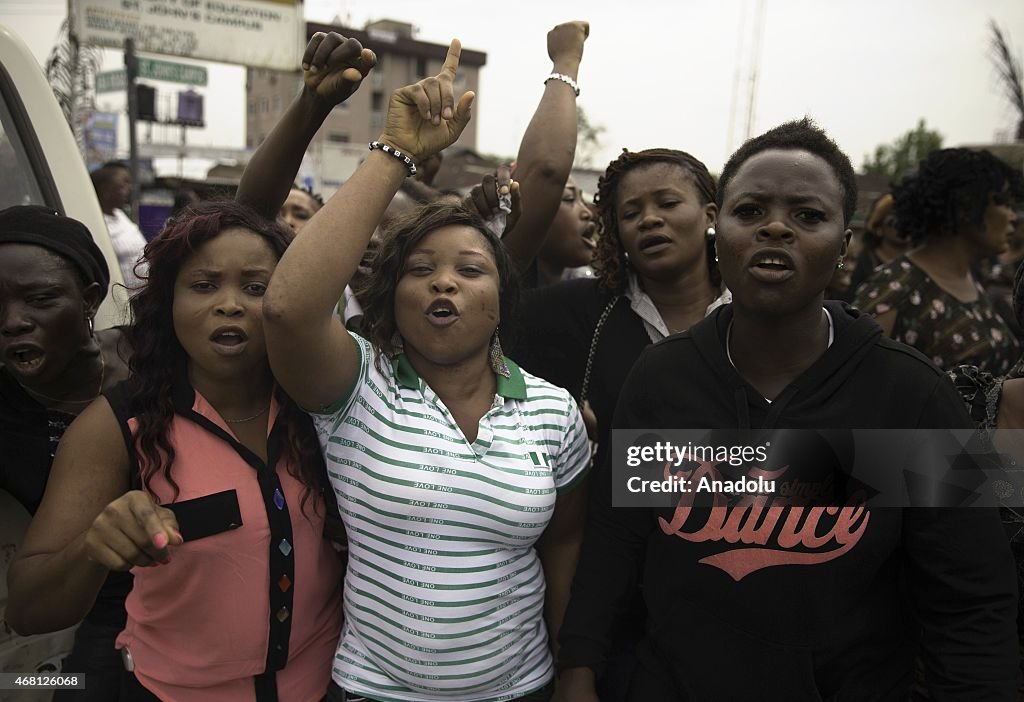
(100, 137)
(257, 33)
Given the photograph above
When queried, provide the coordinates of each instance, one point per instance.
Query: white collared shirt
(642, 304)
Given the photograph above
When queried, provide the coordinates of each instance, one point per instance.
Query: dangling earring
(715, 249)
(497, 358)
(841, 265)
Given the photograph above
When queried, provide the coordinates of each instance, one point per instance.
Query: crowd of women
(356, 463)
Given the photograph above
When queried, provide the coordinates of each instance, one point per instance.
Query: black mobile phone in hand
(207, 515)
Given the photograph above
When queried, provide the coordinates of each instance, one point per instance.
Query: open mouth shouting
(588, 236)
(229, 341)
(442, 312)
(772, 266)
(24, 358)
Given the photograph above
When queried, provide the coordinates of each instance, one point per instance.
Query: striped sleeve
(572, 461)
(340, 407)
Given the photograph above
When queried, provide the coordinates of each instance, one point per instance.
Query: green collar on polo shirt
(513, 387)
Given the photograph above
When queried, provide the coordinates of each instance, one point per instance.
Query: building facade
(340, 145)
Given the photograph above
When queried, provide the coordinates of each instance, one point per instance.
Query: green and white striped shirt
(444, 594)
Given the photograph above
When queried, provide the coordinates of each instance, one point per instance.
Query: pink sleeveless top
(230, 606)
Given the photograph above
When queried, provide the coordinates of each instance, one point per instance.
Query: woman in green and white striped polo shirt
(457, 474)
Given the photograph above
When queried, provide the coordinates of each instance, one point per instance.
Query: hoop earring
(92, 326)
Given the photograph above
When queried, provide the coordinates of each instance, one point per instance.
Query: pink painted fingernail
(160, 540)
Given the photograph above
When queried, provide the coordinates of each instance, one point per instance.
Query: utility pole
(131, 70)
(740, 36)
(751, 64)
(755, 60)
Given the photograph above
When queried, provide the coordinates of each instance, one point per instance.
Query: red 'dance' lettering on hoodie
(824, 533)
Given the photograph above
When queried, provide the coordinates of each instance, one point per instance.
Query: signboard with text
(257, 33)
(153, 69)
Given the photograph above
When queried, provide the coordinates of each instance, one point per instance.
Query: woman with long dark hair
(202, 477)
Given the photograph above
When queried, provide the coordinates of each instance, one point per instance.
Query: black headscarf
(66, 237)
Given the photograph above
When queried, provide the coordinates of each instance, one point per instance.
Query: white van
(39, 160)
(39, 165)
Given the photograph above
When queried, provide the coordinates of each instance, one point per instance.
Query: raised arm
(548, 148)
(311, 353)
(86, 526)
(333, 68)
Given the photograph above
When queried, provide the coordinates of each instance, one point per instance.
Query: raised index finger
(451, 61)
(504, 179)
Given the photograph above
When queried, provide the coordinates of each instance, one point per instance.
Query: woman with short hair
(743, 603)
(957, 210)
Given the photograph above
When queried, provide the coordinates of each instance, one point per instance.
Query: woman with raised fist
(449, 463)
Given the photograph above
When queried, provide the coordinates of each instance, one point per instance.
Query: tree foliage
(1011, 77)
(71, 70)
(588, 138)
(902, 156)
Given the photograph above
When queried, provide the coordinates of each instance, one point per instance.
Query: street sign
(256, 33)
(172, 72)
(153, 69)
(110, 81)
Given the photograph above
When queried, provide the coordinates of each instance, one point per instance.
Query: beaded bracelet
(391, 151)
(565, 79)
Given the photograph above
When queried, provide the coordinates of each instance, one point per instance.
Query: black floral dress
(946, 330)
(981, 392)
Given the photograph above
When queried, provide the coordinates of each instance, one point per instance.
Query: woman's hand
(132, 531)
(565, 43)
(485, 198)
(423, 118)
(333, 67)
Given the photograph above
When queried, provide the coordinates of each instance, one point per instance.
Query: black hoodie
(845, 628)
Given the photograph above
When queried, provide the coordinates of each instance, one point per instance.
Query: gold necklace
(246, 419)
(103, 373)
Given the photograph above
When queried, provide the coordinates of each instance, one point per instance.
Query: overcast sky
(662, 72)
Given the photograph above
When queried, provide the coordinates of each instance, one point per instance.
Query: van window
(18, 185)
